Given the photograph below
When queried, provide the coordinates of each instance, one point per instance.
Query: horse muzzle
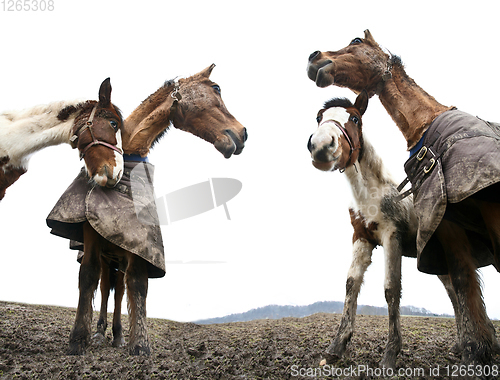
(107, 180)
(323, 158)
(231, 143)
(320, 71)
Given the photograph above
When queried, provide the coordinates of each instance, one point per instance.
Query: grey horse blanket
(124, 215)
(460, 156)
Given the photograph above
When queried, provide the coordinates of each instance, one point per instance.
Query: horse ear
(105, 93)
(369, 37)
(361, 102)
(206, 73)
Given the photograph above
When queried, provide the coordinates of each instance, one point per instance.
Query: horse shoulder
(363, 229)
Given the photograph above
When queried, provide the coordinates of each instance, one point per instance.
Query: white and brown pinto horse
(94, 127)
(466, 230)
(377, 217)
(192, 104)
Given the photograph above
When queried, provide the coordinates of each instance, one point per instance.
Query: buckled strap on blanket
(417, 167)
(423, 162)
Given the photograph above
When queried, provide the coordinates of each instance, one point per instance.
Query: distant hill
(335, 307)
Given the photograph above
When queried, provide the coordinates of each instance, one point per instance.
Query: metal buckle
(421, 153)
(175, 94)
(432, 162)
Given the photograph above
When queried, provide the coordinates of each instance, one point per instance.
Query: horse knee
(88, 278)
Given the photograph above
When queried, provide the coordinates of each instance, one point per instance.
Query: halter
(349, 141)
(88, 125)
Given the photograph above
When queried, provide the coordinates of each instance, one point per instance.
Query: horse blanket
(125, 215)
(459, 157)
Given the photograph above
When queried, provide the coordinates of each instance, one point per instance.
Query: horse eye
(355, 119)
(318, 118)
(216, 88)
(114, 125)
(356, 41)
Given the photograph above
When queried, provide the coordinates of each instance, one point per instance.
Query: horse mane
(397, 63)
(166, 85)
(396, 60)
(338, 102)
(66, 112)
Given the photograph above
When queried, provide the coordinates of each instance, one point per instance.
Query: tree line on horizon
(334, 307)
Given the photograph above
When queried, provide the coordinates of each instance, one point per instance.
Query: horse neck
(148, 121)
(22, 133)
(368, 173)
(411, 108)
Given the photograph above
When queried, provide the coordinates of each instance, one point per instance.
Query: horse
(457, 204)
(94, 127)
(192, 104)
(378, 218)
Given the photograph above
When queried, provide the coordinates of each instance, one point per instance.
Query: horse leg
(491, 215)
(136, 279)
(87, 284)
(118, 340)
(361, 259)
(475, 336)
(392, 288)
(457, 347)
(445, 279)
(102, 324)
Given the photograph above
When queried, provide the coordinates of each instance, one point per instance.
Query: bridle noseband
(88, 125)
(352, 148)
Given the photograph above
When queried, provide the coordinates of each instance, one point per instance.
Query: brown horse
(458, 212)
(192, 104)
(94, 127)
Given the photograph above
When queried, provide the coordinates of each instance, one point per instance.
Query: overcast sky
(289, 237)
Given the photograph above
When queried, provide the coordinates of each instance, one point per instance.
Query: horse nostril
(309, 144)
(245, 134)
(332, 144)
(314, 55)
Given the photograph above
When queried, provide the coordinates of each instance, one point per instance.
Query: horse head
(202, 112)
(97, 135)
(338, 141)
(192, 104)
(360, 65)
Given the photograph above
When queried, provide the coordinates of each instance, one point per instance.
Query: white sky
(289, 240)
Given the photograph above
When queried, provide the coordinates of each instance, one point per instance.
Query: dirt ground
(33, 340)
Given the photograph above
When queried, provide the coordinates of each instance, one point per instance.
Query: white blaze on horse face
(111, 179)
(118, 169)
(326, 138)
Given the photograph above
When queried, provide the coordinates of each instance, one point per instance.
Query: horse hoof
(98, 339)
(456, 350)
(139, 350)
(388, 361)
(118, 342)
(329, 359)
(76, 348)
